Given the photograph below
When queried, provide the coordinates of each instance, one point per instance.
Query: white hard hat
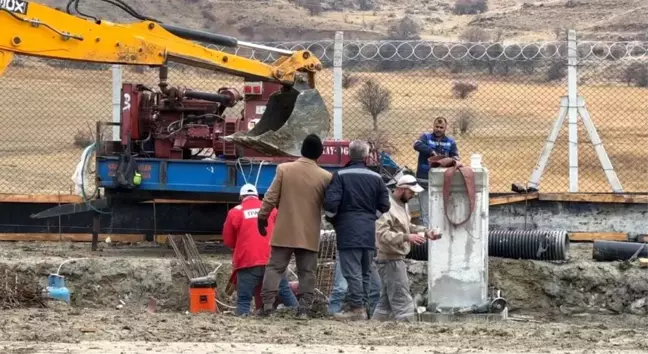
(410, 182)
(248, 189)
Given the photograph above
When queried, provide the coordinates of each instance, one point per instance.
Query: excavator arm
(30, 28)
(33, 29)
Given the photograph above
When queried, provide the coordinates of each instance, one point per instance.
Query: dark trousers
(248, 286)
(306, 262)
(355, 264)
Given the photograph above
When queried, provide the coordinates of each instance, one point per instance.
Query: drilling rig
(162, 127)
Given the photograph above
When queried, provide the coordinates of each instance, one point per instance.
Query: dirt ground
(577, 306)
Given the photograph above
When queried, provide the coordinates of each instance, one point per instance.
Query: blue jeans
(340, 287)
(249, 281)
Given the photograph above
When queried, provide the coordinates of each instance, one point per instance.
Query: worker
(297, 192)
(427, 145)
(353, 201)
(251, 251)
(394, 234)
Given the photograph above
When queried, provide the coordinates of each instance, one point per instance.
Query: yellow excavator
(33, 29)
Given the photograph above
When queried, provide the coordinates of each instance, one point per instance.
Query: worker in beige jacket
(297, 192)
(394, 233)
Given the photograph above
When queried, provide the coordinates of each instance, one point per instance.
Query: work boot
(359, 313)
(267, 311)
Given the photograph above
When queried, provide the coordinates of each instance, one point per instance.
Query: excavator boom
(33, 29)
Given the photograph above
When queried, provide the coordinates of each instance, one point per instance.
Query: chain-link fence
(501, 101)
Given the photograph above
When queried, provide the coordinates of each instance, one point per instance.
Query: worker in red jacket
(251, 251)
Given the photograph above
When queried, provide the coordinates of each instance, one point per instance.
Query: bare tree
(375, 99)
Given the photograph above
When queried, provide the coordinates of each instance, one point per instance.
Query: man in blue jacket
(353, 201)
(428, 145)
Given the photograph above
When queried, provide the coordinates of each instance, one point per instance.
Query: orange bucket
(202, 297)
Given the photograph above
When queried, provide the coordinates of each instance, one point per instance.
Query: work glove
(261, 225)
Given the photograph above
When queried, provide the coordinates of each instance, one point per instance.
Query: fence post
(572, 94)
(570, 108)
(338, 50)
(116, 99)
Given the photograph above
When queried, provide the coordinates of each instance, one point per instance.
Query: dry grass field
(508, 122)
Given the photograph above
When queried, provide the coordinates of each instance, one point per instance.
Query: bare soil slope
(280, 20)
(543, 297)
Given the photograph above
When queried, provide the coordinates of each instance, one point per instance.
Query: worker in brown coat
(297, 192)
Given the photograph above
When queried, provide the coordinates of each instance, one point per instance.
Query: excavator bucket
(290, 115)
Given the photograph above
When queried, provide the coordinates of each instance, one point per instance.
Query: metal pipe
(610, 251)
(266, 48)
(517, 244)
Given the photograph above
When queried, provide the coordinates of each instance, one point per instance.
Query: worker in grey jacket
(394, 233)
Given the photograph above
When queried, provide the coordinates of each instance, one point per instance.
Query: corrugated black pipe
(518, 244)
(542, 245)
(610, 251)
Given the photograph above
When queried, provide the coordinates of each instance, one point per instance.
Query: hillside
(285, 20)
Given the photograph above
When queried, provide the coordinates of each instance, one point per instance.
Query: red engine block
(171, 124)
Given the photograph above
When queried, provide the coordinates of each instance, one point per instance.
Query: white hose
(58, 271)
(214, 272)
(259, 172)
(78, 176)
(245, 179)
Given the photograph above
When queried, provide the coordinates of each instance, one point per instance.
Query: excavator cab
(290, 114)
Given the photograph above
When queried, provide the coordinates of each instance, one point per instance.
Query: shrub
(209, 16)
(462, 89)
(636, 73)
(314, 7)
(406, 28)
(463, 123)
(348, 80)
(366, 5)
(556, 71)
(470, 7)
(83, 138)
(474, 34)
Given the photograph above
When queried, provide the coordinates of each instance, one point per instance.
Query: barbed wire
(419, 50)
